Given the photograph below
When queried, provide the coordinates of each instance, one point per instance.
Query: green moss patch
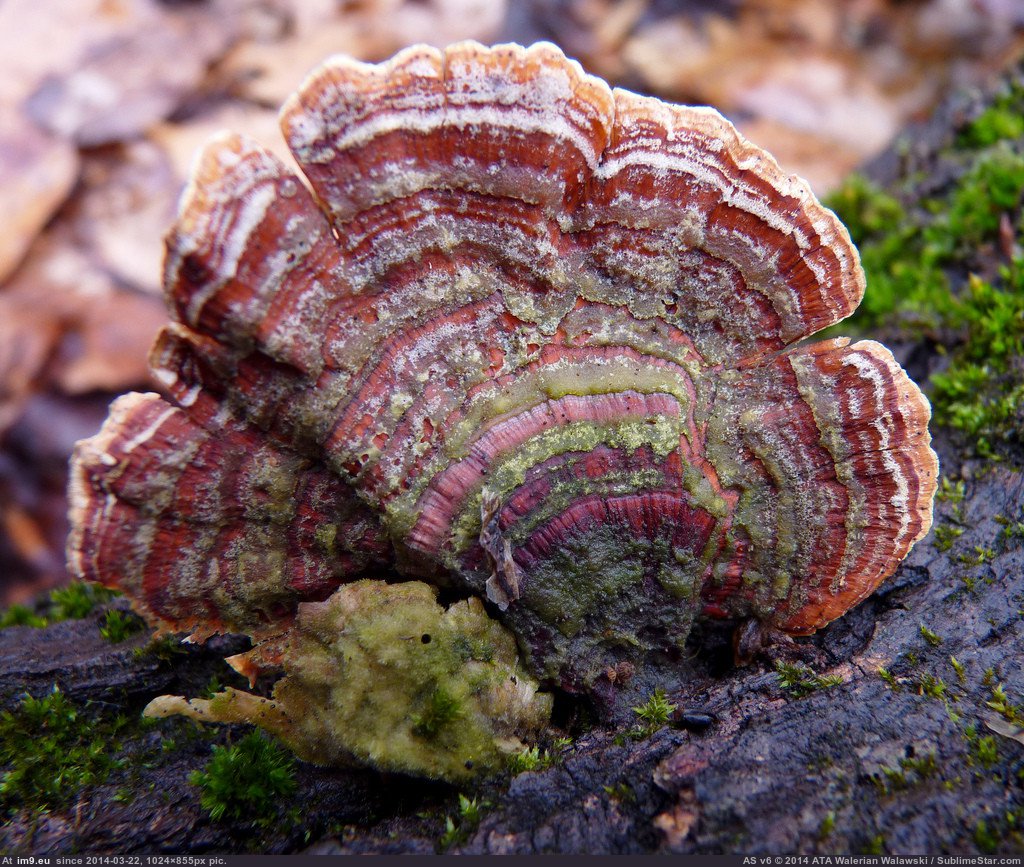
(71, 602)
(51, 749)
(934, 269)
(246, 781)
(1001, 121)
(982, 391)
(799, 680)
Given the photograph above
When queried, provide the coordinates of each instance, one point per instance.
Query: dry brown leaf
(181, 141)
(267, 71)
(26, 343)
(127, 198)
(92, 334)
(839, 76)
(137, 74)
(37, 171)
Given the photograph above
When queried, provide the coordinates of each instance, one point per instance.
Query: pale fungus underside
(522, 336)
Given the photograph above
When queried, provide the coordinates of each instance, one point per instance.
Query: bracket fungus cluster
(517, 335)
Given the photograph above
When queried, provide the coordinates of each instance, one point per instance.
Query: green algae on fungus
(382, 674)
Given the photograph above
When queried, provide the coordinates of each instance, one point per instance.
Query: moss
(621, 792)
(952, 492)
(583, 576)
(466, 821)
(655, 711)
(986, 751)
(984, 838)
(442, 709)
(71, 602)
(1002, 120)
(931, 686)
(980, 392)
(889, 678)
(165, 648)
(123, 796)
(992, 833)
(1013, 531)
(530, 759)
(77, 600)
(1002, 705)
(51, 749)
(866, 209)
(908, 773)
(21, 615)
(946, 535)
(904, 253)
(383, 675)
(917, 261)
(978, 557)
(990, 188)
(597, 600)
(901, 280)
(118, 626)
(800, 680)
(246, 781)
(883, 231)
(653, 715)
(931, 637)
(982, 750)
(875, 846)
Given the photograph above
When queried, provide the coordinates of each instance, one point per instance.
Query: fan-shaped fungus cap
(548, 333)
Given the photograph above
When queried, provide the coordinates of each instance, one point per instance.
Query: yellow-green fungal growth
(382, 674)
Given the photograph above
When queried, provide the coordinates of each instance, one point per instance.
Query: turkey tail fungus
(517, 334)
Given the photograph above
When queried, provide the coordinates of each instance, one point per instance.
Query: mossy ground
(51, 749)
(72, 602)
(64, 757)
(81, 770)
